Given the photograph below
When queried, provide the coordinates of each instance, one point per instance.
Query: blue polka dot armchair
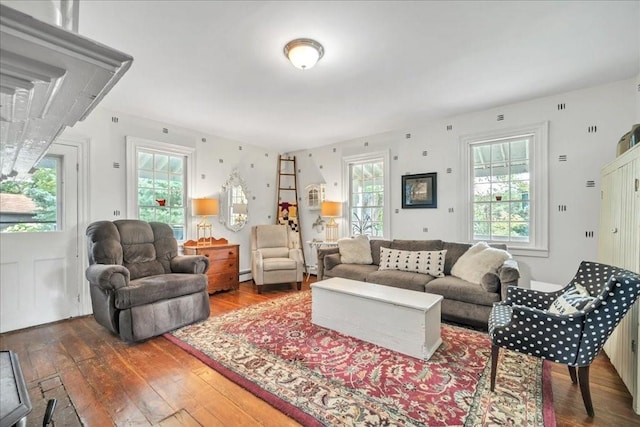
(568, 326)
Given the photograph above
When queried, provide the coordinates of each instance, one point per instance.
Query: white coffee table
(398, 319)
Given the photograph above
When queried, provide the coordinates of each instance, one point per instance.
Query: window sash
(167, 170)
(366, 179)
(538, 199)
(500, 172)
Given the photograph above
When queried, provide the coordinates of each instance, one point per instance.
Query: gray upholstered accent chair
(568, 326)
(274, 257)
(140, 286)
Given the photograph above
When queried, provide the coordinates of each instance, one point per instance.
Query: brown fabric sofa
(464, 302)
(140, 286)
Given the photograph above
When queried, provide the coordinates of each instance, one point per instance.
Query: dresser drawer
(220, 253)
(224, 265)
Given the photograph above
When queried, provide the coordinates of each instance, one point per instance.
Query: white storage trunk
(398, 319)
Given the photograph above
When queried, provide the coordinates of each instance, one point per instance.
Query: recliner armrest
(108, 276)
(296, 253)
(190, 264)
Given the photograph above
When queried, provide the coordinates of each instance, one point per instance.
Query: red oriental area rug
(320, 377)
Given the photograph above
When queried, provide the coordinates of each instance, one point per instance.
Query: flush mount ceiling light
(303, 53)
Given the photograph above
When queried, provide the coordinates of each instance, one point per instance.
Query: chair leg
(299, 286)
(583, 375)
(495, 351)
(572, 373)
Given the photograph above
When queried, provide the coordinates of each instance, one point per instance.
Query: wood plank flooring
(108, 382)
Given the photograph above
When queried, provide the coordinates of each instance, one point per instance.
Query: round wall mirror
(234, 203)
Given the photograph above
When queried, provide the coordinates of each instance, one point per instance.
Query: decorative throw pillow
(355, 250)
(477, 261)
(423, 262)
(575, 299)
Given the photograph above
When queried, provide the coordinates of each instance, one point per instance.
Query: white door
(39, 277)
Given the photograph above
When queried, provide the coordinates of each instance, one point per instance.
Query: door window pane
(30, 204)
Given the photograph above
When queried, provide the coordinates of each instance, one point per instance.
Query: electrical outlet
(425, 229)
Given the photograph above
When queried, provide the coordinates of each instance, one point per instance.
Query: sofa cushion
(355, 250)
(376, 244)
(424, 262)
(151, 289)
(276, 264)
(454, 252)
(351, 271)
(417, 245)
(457, 289)
(479, 260)
(400, 279)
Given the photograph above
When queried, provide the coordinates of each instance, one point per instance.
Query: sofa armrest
(322, 253)
(190, 264)
(509, 273)
(108, 277)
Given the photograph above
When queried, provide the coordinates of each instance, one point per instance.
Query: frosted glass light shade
(303, 53)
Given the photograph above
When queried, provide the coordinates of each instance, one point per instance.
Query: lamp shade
(331, 209)
(239, 208)
(205, 206)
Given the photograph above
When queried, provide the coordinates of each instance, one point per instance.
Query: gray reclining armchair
(140, 286)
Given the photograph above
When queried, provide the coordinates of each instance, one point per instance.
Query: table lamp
(204, 207)
(331, 210)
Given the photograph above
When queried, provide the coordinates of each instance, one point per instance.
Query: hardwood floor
(110, 382)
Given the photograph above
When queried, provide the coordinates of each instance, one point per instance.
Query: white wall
(612, 108)
(214, 159)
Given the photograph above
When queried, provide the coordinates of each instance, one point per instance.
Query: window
(368, 208)
(30, 203)
(158, 173)
(507, 188)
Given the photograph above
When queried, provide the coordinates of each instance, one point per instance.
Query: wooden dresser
(224, 265)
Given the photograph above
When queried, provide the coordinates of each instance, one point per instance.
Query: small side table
(15, 404)
(314, 245)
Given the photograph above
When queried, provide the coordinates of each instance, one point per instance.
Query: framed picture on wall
(420, 190)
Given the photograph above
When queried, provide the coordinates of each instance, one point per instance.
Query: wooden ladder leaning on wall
(287, 201)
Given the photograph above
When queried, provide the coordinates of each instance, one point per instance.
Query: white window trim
(133, 145)
(539, 164)
(346, 188)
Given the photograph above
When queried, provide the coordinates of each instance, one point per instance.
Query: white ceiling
(218, 67)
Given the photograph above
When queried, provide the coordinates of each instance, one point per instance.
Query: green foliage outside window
(501, 191)
(161, 190)
(42, 188)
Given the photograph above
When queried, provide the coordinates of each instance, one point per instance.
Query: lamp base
(331, 233)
